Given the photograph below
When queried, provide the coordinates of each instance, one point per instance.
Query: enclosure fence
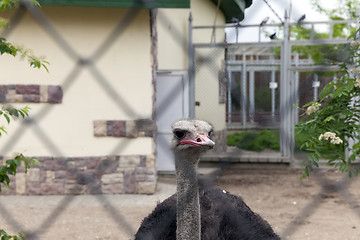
(206, 60)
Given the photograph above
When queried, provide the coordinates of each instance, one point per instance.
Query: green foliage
(11, 166)
(7, 5)
(325, 54)
(263, 98)
(342, 9)
(243, 140)
(322, 54)
(6, 47)
(253, 141)
(5, 236)
(328, 53)
(300, 138)
(232, 139)
(268, 139)
(13, 49)
(8, 111)
(337, 112)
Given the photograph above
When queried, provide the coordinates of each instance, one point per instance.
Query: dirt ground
(324, 206)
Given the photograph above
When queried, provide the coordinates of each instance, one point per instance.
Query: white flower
(313, 108)
(332, 136)
(357, 83)
(354, 44)
(321, 137)
(327, 135)
(336, 140)
(355, 71)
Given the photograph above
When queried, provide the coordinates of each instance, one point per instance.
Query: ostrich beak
(200, 141)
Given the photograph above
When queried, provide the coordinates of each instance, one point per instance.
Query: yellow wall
(66, 129)
(173, 54)
(125, 69)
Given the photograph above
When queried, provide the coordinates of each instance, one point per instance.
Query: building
(96, 114)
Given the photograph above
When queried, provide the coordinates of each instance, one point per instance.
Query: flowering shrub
(357, 82)
(334, 119)
(313, 108)
(332, 136)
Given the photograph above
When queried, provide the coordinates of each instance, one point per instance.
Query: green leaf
(7, 117)
(2, 129)
(5, 236)
(44, 65)
(328, 119)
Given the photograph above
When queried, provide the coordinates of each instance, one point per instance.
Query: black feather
(223, 217)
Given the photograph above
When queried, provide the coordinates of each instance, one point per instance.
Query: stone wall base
(130, 174)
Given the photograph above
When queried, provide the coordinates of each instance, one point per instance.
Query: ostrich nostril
(198, 140)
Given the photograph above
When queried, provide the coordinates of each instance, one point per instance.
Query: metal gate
(241, 62)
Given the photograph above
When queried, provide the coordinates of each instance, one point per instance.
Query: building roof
(230, 8)
(233, 8)
(119, 3)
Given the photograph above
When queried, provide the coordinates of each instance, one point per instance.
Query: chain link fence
(212, 86)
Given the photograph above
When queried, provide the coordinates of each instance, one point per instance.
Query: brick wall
(134, 174)
(124, 128)
(20, 93)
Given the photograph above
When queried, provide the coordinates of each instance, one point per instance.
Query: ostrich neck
(188, 207)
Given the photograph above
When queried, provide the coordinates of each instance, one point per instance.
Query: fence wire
(80, 63)
(206, 60)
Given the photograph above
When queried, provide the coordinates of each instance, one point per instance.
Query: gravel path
(325, 206)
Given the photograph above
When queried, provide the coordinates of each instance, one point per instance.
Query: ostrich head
(191, 138)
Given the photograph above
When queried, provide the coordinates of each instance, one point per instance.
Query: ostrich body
(193, 213)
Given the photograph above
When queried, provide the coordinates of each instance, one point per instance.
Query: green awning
(119, 3)
(233, 8)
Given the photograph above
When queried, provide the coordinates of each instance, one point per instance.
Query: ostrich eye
(211, 133)
(179, 134)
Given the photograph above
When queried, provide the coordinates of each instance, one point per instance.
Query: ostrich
(193, 213)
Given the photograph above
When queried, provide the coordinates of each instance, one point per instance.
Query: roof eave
(233, 8)
(119, 3)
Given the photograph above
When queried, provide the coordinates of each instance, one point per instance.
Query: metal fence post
(191, 69)
(229, 104)
(296, 90)
(243, 90)
(285, 98)
(252, 95)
